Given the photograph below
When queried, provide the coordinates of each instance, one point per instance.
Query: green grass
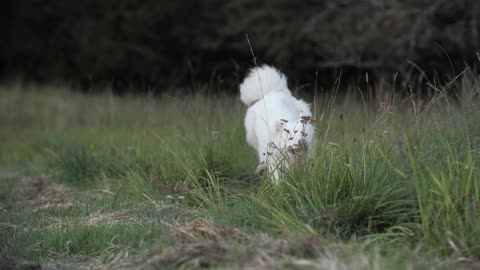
(392, 183)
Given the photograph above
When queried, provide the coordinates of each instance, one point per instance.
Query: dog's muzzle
(298, 149)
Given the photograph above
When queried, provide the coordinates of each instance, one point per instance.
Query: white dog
(278, 125)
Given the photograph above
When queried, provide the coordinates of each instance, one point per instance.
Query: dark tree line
(152, 45)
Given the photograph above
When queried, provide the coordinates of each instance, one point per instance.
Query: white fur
(270, 102)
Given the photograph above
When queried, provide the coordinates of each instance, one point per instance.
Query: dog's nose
(302, 147)
(299, 148)
(302, 144)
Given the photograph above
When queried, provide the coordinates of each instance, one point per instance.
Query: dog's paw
(261, 168)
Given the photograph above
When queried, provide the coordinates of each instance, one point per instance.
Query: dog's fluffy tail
(259, 82)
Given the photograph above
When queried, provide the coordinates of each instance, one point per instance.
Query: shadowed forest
(153, 46)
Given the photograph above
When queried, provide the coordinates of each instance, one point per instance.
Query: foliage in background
(152, 45)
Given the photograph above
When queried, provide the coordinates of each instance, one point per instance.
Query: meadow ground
(105, 182)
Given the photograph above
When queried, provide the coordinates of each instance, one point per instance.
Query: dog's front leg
(261, 168)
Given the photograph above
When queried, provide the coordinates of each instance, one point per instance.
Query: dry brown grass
(204, 229)
(203, 244)
(110, 218)
(37, 193)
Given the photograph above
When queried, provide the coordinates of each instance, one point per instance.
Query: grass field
(105, 182)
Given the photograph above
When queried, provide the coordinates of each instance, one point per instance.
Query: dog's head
(295, 138)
